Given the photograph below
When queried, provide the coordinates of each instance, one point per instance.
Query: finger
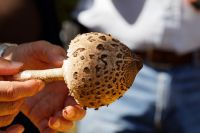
(49, 130)
(72, 110)
(58, 123)
(11, 91)
(9, 67)
(50, 53)
(44, 128)
(6, 120)
(57, 56)
(73, 113)
(15, 129)
(9, 108)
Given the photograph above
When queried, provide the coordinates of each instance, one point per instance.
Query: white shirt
(165, 24)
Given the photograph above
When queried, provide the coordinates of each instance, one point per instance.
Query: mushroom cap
(99, 69)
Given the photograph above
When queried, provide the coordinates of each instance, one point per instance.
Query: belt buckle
(151, 62)
(196, 58)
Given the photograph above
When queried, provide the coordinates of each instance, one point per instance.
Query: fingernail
(61, 58)
(65, 113)
(58, 60)
(69, 113)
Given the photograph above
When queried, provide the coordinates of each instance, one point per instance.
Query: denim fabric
(160, 100)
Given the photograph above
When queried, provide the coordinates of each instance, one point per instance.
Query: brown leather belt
(166, 59)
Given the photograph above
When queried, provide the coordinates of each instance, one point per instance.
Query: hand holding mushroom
(99, 70)
(52, 109)
(12, 94)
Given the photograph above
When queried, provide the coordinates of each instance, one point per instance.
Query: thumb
(9, 67)
(15, 129)
(51, 54)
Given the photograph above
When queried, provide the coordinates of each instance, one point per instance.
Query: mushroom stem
(46, 75)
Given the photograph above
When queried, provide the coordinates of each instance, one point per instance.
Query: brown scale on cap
(100, 69)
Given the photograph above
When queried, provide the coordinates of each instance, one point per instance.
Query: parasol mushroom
(99, 69)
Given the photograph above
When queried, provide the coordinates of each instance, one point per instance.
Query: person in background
(43, 108)
(165, 94)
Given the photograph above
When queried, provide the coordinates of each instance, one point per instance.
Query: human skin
(52, 109)
(13, 93)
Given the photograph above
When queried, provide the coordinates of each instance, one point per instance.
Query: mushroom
(99, 69)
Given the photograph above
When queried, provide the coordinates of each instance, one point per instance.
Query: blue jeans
(160, 100)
